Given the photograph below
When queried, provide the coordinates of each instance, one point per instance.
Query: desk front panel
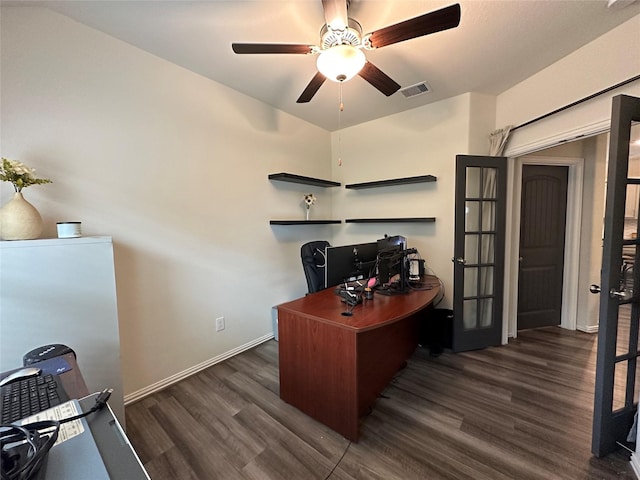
(382, 352)
(318, 371)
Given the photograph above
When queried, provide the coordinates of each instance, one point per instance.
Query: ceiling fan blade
(379, 79)
(436, 21)
(314, 85)
(335, 14)
(271, 48)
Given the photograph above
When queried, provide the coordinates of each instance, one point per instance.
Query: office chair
(313, 262)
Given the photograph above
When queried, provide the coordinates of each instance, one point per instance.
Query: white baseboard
(138, 395)
(635, 464)
(587, 328)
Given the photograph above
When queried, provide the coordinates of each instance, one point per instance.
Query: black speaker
(45, 352)
(436, 332)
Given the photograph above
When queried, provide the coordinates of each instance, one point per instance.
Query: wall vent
(417, 89)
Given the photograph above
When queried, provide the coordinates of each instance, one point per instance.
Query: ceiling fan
(340, 53)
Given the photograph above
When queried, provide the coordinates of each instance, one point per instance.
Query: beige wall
(174, 167)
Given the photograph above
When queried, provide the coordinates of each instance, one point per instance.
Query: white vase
(19, 220)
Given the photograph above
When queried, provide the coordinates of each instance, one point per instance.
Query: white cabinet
(62, 291)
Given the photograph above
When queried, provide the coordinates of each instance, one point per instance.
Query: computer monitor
(393, 266)
(348, 263)
(393, 242)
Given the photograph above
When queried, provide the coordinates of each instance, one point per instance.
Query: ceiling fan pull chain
(340, 109)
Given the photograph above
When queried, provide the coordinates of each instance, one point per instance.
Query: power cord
(24, 448)
(28, 450)
(100, 403)
(338, 463)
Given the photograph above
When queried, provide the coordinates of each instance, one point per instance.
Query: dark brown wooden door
(543, 215)
(478, 274)
(616, 389)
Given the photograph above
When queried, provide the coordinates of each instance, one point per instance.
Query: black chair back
(313, 262)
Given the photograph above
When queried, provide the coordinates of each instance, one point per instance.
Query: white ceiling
(498, 44)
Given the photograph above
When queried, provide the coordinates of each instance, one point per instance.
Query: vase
(19, 220)
(307, 214)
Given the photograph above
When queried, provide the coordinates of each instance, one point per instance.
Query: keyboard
(29, 396)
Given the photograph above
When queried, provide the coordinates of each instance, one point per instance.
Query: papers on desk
(65, 410)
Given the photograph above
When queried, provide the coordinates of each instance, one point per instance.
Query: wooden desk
(333, 367)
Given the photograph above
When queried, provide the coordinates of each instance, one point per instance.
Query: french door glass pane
(473, 182)
(470, 281)
(472, 216)
(488, 216)
(486, 281)
(488, 252)
(622, 337)
(489, 183)
(470, 314)
(619, 384)
(637, 385)
(486, 312)
(471, 248)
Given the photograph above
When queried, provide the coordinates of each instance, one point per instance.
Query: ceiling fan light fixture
(341, 62)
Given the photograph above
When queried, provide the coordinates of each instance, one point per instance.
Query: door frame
(569, 313)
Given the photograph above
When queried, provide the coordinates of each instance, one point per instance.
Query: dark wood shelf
(291, 178)
(392, 220)
(393, 181)
(303, 222)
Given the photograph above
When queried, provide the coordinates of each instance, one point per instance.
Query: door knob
(613, 293)
(593, 288)
(459, 260)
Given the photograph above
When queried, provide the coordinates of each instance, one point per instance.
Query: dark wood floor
(521, 411)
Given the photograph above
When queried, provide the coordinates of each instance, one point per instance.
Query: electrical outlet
(219, 324)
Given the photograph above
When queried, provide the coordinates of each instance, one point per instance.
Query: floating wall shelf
(303, 222)
(393, 181)
(391, 220)
(317, 182)
(291, 178)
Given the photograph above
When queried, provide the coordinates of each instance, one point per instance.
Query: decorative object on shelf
(69, 229)
(19, 220)
(309, 199)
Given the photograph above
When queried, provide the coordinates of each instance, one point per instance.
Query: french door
(616, 388)
(478, 274)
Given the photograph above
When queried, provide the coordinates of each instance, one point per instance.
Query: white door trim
(516, 149)
(572, 241)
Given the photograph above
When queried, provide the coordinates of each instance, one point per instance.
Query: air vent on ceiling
(619, 3)
(417, 89)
